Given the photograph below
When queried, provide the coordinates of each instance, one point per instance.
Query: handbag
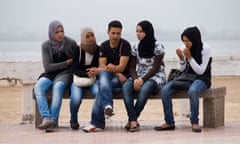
(183, 80)
(173, 74)
(83, 81)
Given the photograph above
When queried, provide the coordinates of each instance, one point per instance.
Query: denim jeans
(194, 91)
(107, 84)
(134, 110)
(76, 99)
(40, 89)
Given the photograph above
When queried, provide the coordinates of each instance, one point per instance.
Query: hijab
(90, 48)
(147, 44)
(194, 35)
(51, 33)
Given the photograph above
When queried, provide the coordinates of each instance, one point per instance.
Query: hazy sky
(166, 15)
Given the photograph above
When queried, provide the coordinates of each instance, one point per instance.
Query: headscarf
(90, 48)
(147, 45)
(51, 33)
(194, 35)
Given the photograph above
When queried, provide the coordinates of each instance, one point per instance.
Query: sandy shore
(10, 104)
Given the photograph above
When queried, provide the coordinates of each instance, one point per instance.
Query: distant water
(31, 50)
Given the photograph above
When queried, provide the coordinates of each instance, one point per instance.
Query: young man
(114, 56)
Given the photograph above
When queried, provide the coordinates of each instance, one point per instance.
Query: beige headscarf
(90, 48)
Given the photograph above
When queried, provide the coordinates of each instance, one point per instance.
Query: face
(59, 34)
(90, 38)
(114, 34)
(187, 42)
(140, 33)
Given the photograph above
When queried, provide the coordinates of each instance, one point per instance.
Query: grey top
(60, 70)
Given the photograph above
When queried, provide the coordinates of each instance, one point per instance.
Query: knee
(164, 91)
(192, 92)
(59, 85)
(104, 74)
(127, 85)
(39, 90)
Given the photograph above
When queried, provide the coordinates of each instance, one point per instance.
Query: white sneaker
(92, 128)
(108, 111)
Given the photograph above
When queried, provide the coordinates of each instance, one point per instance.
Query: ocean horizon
(31, 50)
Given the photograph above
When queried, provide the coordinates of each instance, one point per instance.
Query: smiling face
(59, 34)
(140, 33)
(186, 42)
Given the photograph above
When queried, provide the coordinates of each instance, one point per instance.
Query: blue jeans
(194, 91)
(146, 90)
(76, 99)
(40, 89)
(107, 84)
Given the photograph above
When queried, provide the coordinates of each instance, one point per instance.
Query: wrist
(182, 62)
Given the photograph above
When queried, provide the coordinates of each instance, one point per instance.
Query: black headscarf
(194, 35)
(147, 45)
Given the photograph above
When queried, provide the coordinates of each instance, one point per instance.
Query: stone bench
(213, 105)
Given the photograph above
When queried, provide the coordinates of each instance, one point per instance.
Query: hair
(115, 24)
(194, 35)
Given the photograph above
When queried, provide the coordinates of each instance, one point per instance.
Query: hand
(92, 71)
(121, 78)
(138, 84)
(180, 54)
(187, 53)
(69, 61)
(111, 68)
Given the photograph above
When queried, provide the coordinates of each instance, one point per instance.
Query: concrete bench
(213, 105)
(26, 73)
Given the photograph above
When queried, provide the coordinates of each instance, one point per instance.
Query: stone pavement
(115, 134)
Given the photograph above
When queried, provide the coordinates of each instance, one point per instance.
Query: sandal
(134, 128)
(127, 126)
(196, 128)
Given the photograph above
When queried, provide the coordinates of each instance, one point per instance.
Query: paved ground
(115, 134)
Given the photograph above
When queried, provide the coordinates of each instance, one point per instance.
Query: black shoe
(74, 126)
(46, 123)
(161, 128)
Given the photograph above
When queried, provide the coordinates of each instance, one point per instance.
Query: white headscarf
(90, 48)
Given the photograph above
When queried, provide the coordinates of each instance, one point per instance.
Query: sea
(31, 50)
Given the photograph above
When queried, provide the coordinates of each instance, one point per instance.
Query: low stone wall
(29, 71)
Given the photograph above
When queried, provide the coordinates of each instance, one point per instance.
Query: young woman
(194, 56)
(85, 58)
(57, 60)
(147, 73)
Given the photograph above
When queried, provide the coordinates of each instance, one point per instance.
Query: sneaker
(91, 128)
(108, 111)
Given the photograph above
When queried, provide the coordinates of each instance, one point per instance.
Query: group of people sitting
(117, 66)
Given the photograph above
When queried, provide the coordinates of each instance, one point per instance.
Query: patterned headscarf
(51, 32)
(90, 48)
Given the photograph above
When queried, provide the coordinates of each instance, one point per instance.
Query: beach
(11, 104)
(225, 72)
